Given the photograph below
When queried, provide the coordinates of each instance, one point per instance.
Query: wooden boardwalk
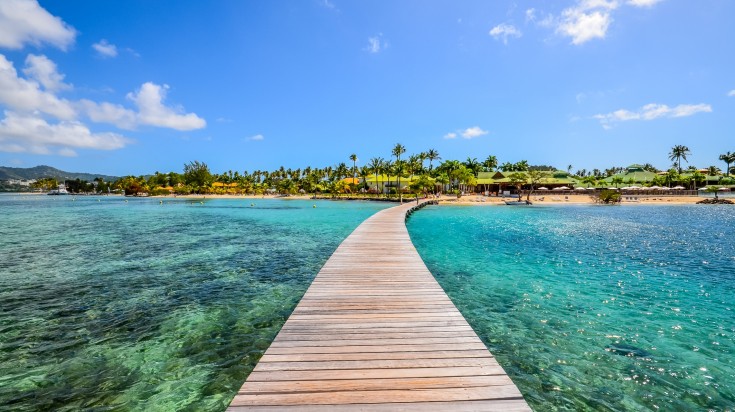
(376, 332)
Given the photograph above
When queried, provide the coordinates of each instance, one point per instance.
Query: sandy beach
(479, 200)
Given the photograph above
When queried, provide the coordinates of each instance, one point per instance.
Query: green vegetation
(609, 197)
(417, 174)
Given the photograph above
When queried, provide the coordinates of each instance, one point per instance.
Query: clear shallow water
(595, 308)
(108, 305)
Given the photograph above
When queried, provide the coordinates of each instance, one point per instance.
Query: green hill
(38, 172)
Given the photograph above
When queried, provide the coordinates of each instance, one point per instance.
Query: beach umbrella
(626, 188)
(723, 189)
(579, 188)
(543, 188)
(665, 188)
(654, 188)
(612, 188)
(678, 187)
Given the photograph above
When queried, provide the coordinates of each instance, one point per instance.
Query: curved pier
(376, 332)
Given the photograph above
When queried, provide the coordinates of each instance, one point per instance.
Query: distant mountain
(7, 173)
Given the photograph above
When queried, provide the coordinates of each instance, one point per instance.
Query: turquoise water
(111, 305)
(595, 307)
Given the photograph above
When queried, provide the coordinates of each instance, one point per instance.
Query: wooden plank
(376, 332)
(373, 384)
(495, 405)
(311, 357)
(384, 396)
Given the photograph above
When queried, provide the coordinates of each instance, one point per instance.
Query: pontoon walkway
(376, 332)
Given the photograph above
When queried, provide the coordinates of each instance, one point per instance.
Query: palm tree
(364, 173)
(490, 163)
(473, 165)
(679, 152)
(728, 158)
(432, 155)
(353, 157)
(399, 168)
(696, 177)
(397, 151)
(590, 180)
(376, 165)
(388, 168)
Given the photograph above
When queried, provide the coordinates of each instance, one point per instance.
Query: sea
(135, 304)
(595, 308)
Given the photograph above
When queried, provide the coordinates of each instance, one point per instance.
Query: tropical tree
(521, 166)
(590, 180)
(507, 167)
(517, 179)
(728, 158)
(677, 153)
(376, 166)
(364, 174)
(490, 163)
(617, 180)
(442, 179)
(397, 151)
(399, 169)
(422, 184)
(197, 175)
(534, 177)
(696, 177)
(353, 157)
(432, 155)
(672, 176)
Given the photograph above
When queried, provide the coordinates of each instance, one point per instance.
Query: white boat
(60, 191)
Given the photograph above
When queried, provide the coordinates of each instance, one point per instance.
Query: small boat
(517, 202)
(60, 191)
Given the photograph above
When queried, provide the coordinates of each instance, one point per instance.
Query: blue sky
(133, 87)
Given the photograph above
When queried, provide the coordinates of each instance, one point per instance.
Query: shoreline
(475, 200)
(467, 200)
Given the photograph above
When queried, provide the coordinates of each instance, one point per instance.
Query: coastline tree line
(425, 172)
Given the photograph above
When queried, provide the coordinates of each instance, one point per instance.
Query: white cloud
(149, 99)
(26, 22)
(643, 3)
(472, 132)
(26, 95)
(586, 20)
(105, 49)
(469, 133)
(29, 133)
(43, 70)
(651, 112)
(583, 25)
(30, 101)
(376, 44)
(731, 93)
(257, 137)
(151, 111)
(109, 113)
(503, 31)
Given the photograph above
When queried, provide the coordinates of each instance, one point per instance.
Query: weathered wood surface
(376, 332)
